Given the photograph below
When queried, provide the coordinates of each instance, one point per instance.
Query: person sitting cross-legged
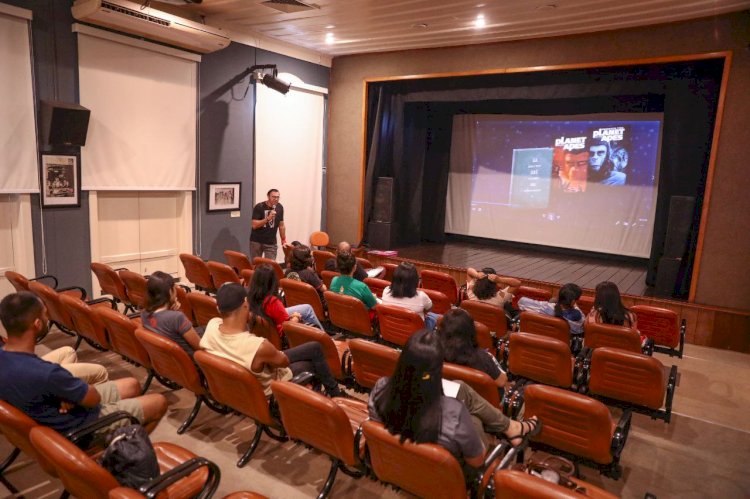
(49, 394)
(228, 337)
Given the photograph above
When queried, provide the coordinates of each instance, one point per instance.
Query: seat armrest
(89, 429)
(358, 441)
(648, 347)
(486, 470)
(683, 328)
(671, 386)
(621, 434)
(46, 276)
(70, 288)
(346, 363)
(158, 484)
(185, 287)
(103, 299)
(582, 370)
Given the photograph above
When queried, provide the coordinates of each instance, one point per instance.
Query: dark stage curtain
(410, 126)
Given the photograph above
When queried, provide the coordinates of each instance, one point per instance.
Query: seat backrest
(425, 470)
(86, 321)
(221, 273)
(16, 426)
(259, 260)
(185, 306)
(169, 360)
(203, 306)
(597, 335)
(237, 260)
(478, 380)
(490, 315)
(319, 238)
(440, 303)
(376, 285)
(440, 281)
(390, 268)
(110, 281)
(121, 333)
(80, 474)
(364, 263)
(298, 334)
(261, 327)
(533, 293)
(320, 257)
(397, 324)
(514, 484)
(485, 339)
(298, 293)
(19, 282)
(247, 277)
(545, 325)
(348, 313)
(197, 271)
(233, 385)
(371, 361)
(542, 359)
(55, 308)
(571, 422)
(327, 276)
(135, 287)
(660, 324)
(628, 377)
(316, 420)
(585, 303)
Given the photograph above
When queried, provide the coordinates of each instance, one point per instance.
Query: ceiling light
(329, 38)
(330, 26)
(419, 25)
(549, 6)
(479, 23)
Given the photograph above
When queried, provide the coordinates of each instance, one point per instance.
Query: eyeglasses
(275, 197)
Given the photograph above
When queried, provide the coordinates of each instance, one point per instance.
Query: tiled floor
(703, 452)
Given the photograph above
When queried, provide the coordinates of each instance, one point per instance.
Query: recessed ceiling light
(479, 22)
(419, 25)
(548, 6)
(330, 26)
(480, 5)
(329, 38)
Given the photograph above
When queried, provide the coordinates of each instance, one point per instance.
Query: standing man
(267, 217)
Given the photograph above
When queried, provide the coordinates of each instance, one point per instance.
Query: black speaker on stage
(681, 209)
(63, 123)
(382, 207)
(666, 276)
(381, 235)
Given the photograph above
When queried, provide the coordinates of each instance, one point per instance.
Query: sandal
(529, 428)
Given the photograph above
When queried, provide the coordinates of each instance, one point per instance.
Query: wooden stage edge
(716, 327)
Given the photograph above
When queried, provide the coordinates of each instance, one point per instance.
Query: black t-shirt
(267, 233)
(481, 360)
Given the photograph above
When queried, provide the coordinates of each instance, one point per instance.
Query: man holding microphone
(267, 217)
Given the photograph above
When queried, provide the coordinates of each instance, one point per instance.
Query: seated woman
(459, 338)
(301, 263)
(411, 404)
(564, 308)
(162, 314)
(403, 292)
(346, 284)
(486, 286)
(264, 302)
(609, 309)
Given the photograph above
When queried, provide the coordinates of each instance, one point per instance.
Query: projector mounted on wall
(133, 18)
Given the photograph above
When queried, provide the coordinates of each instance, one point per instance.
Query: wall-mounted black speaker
(381, 235)
(63, 123)
(382, 209)
(680, 222)
(666, 276)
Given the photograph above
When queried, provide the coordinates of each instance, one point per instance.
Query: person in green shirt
(346, 284)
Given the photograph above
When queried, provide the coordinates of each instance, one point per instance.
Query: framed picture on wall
(224, 196)
(61, 181)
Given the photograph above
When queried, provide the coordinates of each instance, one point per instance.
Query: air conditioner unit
(133, 18)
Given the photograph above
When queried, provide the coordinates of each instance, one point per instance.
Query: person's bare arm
(257, 224)
(193, 339)
(511, 282)
(282, 232)
(268, 355)
(474, 274)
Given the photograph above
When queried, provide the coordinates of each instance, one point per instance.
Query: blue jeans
(307, 313)
(430, 320)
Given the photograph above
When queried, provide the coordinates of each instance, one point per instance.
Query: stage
(548, 266)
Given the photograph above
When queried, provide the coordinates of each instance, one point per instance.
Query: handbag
(130, 457)
(553, 469)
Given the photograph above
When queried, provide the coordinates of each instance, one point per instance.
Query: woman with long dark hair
(403, 292)
(609, 309)
(458, 335)
(565, 307)
(411, 404)
(301, 263)
(163, 316)
(264, 302)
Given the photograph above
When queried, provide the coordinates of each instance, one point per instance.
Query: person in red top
(263, 301)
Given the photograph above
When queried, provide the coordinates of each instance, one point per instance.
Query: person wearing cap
(488, 287)
(228, 337)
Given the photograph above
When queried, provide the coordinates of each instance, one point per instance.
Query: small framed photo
(224, 196)
(61, 181)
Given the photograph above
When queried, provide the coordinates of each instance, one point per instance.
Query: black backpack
(130, 457)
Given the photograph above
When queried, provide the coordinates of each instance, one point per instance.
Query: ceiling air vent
(290, 6)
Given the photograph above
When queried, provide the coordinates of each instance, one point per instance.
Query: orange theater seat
(328, 425)
(299, 293)
(203, 306)
(259, 260)
(606, 335)
(512, 484)
(440, 303)
(578, 427)
(197, 272)
(585, 303)
(440, 281)
(541, 359)
(390, 268)
(320, 258)
(370, 362)
(319, 239)
(336, 352)
(397, 324)
(490, 315)
(247, 277)
(663, 326)
(478, 380)
(376, 285)
(58, 313)
(21, 283)
(349, 313)
(86, 323)
(136, 287)
(111, 284)
(238, 261)
(221, 273)
(545, 325)
(327, 276)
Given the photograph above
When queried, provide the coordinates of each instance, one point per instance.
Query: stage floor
(538, 265)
